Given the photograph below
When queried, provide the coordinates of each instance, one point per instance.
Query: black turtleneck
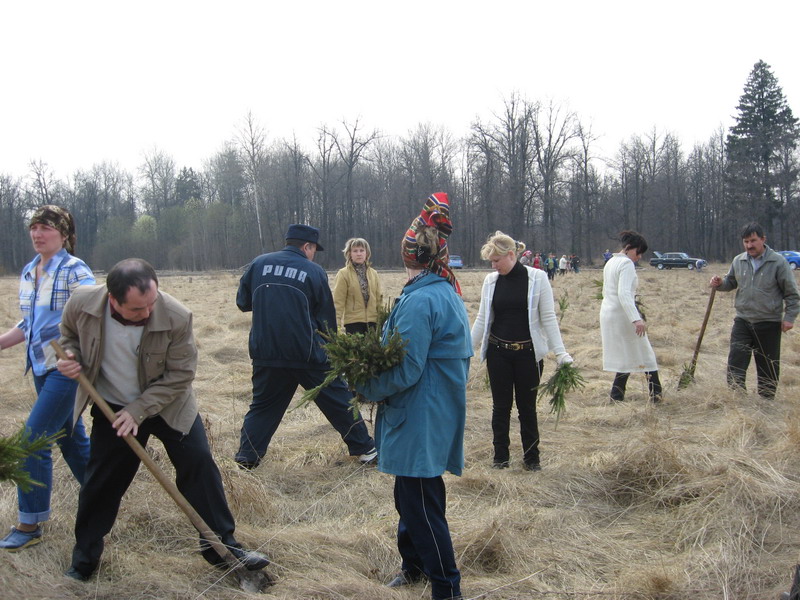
(510, 305)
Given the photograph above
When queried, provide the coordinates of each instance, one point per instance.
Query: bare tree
(553, 129)
(351, 148)
(158, 186)
(252, 141)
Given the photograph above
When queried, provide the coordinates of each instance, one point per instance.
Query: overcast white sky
(87, 81)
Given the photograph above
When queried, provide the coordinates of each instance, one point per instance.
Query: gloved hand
(563, 358)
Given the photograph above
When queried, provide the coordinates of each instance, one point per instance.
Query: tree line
(531, 170)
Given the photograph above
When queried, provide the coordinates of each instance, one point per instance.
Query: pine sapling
(15, 449)
(567, 378)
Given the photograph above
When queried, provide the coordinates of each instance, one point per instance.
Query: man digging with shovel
(767, 303)
(135, 345)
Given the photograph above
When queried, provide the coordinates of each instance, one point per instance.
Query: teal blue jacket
(419, 428)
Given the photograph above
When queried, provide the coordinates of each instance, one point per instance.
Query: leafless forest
(529, 167)
(696, 498)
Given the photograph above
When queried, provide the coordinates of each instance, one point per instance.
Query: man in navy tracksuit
(291, 303)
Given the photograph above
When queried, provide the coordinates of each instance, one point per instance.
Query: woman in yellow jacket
(357, 289)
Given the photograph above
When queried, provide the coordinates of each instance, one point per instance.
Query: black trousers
(621, 380)
(112, 466)
(763, 342)
(273, 388)
(423, 537)
(359, 327)
(514, 374)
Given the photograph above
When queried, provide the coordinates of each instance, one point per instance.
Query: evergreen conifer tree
(764, 132)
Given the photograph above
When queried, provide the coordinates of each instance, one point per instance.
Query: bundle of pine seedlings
(15, 449)
(567, 378)
(357, 358)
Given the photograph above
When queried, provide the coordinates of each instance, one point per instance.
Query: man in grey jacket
(767, 303)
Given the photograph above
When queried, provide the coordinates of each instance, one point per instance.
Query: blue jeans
(51, 413)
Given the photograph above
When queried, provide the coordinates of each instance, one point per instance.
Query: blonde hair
(355, 243)
(500, 244)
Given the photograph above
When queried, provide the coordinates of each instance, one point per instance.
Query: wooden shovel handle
(703, 328)
(151, 465)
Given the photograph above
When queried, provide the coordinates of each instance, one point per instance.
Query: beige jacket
(347, 298)
(167, 355)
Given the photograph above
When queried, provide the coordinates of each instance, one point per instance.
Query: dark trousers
(273, 389)
(359, 327)
(762, 341)
(423, 537)
(112, 466)
(621, 380)
(514, 374)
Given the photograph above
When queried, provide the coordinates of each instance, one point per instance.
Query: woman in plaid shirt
(45, 286)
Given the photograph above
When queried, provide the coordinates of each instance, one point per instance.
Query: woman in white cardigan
(516, 327)
(626, 348)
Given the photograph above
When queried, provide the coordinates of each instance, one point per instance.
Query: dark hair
(633, 240)
(750, 229)
(128, 273)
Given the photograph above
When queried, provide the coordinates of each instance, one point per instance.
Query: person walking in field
(563, 263)
(767, 303)
(420, 432)
(292, 303)
(135, 344)
(516, 327)
(46, 283)
(357, 289)
(626, 348)
(551, 266)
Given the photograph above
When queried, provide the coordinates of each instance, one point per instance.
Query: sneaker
(18, 540)
(368, 458)
(404, 578)
(500, 464)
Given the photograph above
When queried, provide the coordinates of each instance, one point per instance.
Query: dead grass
(695, 498)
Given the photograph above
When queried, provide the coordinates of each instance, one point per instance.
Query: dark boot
(654, 385)
(618, 387)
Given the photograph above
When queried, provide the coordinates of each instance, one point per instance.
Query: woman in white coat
(516, 327)
(626, 348)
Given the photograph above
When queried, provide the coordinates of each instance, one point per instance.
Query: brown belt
(506, 345)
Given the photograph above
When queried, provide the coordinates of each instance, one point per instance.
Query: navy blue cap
(305, 233)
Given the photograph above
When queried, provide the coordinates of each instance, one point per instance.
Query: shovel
(249, 581)
(687, 376)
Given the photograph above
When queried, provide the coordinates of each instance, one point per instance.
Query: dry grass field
(695, 498)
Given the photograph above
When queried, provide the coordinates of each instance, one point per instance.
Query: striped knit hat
(436, 214)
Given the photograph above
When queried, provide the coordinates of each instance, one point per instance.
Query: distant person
(626, 348)
(423, 402)
(516, 327)
(45, 285)
(537, 261)
(563, 264)
(357, 289)
(767, 304)
(607, 256)
(551, 266)
(292, 303)
(135, 344)
(575, 263)
(526, 258)
(700, 264)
